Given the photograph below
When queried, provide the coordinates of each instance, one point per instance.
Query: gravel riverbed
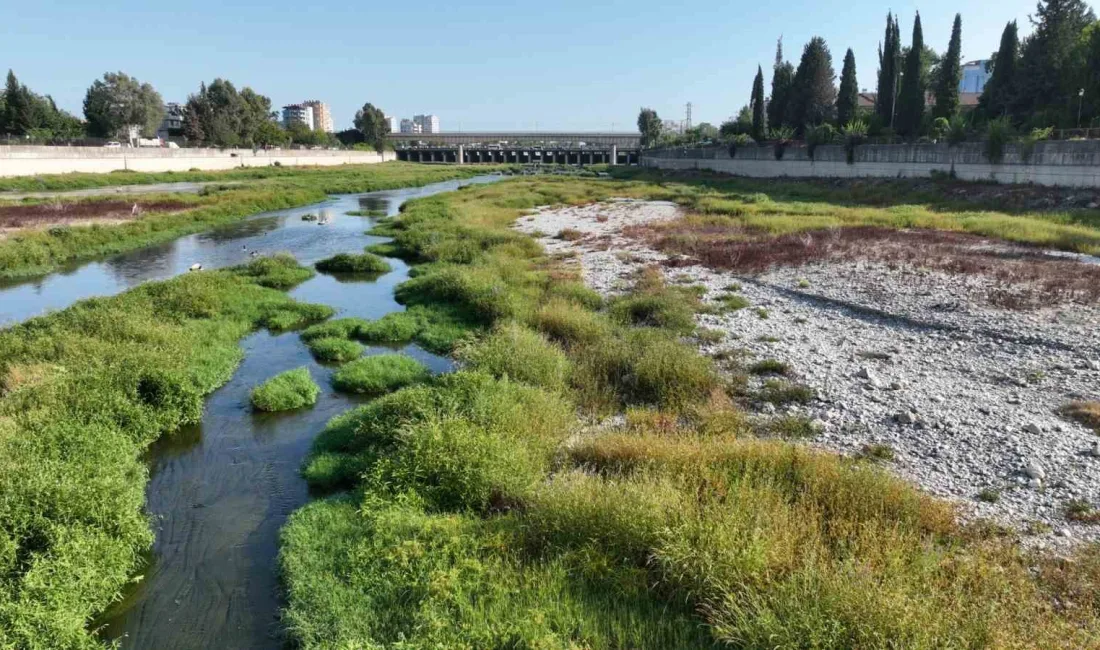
(966, 395)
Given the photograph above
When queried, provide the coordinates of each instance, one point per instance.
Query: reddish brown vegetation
(1022, 278)
(25, 216)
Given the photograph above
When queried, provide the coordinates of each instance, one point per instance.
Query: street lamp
(1080, 102)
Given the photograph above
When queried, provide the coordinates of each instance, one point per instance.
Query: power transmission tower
(687, 121)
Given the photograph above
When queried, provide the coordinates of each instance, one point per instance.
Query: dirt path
(182, 188)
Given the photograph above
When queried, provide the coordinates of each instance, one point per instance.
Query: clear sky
(563, 64)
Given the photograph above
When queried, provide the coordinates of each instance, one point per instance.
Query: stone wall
(31, 161)
(1063, 163)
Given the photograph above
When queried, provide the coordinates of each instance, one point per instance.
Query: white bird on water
(195, 267)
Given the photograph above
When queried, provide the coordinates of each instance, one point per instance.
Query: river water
(221, 490)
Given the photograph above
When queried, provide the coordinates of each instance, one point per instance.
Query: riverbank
(83, 393)
(589, 479)
(35, 251)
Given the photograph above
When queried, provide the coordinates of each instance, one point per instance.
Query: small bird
(196, 267)
(254, 253)
(134, 210)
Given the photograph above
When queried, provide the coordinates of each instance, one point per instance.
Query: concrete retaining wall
(31, 161)
(1069, 164)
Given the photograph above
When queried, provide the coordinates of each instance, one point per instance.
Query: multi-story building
(172, 125)
(298, 114)
(408, 126)
(391, 122)
(322, 118)
(975, 74)
(428, 123)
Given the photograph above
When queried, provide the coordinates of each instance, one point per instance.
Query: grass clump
(1087, 413)
(339, 328)
(350, 263)
(877, 452)
(293, 389)
(733, 302)
(655, 304)
(331, 349)
(770, 367)
(379, 374)
(396, 327)
(1081, 511)
(782, 393)
(520, 353)
(571, 324)
(989, 495)
(279, 271)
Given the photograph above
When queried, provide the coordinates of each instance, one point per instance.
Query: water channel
(221, 490)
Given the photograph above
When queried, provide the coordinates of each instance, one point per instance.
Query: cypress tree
(911, 97)
(782, 78)
(1000, 90)
(17, 106)
(847, 101)
(889, 58)
(950, 75)
(813, 98)
(759, 125)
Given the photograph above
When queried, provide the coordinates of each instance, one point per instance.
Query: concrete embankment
(1066, 164)
(30, 161)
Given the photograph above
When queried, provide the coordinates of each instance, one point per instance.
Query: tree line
(1051, 79)
(121, 107)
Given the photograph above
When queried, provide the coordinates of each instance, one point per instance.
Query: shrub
(292, 389)
(999, 132)
(1027, 146)
(855, 134)
(519, 353)
(571, 324)
(782, 137)
(379, 374)
(333, 349)
(339, 328)
(819, 135)
(349, 263)
(280, 271)
(737, 141)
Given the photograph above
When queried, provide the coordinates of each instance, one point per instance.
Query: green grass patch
(515, 351)
(398, 327)
(351, 263)
(293, 389)
(331, 349)
(379, 374)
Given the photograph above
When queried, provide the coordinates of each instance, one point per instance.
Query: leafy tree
(17, 107)
(847, 101)
(813, 96)
(889, 62)
(118, 102)
(1000, 90)
(950, 75)
(1046, 84)
(269, 134)
(372, 123)
(649, 125)
(221, 116)
(759, 120)
(1090, 81)
(782, 80)
(911, 97)
(256, 114)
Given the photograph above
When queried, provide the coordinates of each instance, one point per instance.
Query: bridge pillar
(614, 154)
(461, 155)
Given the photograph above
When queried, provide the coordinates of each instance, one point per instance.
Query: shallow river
(221, 490)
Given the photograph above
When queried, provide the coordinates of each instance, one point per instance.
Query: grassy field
(41, 250)
(480, 509)
(83, 392)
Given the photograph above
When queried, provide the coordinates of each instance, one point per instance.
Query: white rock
(1035, 471)
(1095, 451)
(1033, 428)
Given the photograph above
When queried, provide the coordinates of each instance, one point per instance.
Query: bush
(571, 324)
(339, 328)
(348, 263)
(379, 374)
(782, 137)
(999, 133)
(817, 136)
(855, 134)
(332, 349)
(292, 389)
(516, 352)
(280, 271)
(1027, 146)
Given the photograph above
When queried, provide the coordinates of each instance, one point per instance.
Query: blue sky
(563, 64)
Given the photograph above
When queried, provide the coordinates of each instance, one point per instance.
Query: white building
(298, 114)
(322, 118)
(428, 123)
(392, 123)
(408, 126)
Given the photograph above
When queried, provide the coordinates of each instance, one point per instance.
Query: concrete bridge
(623, 140)
(521, 155)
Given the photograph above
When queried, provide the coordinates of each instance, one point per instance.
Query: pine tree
(1000, 90)
(847, 101)
(782, 78)
(813, 97)
(950, 75)
(911, 97)
(889, 59)
(759, 122)
(1047, 81)
(17, 107)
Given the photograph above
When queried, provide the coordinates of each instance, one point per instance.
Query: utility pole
(687, 121)
(1080, 103)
